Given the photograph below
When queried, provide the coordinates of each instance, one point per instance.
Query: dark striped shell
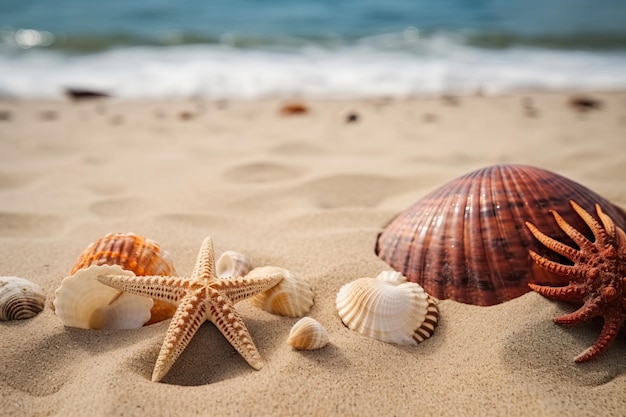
(467, 240)
(20, 298)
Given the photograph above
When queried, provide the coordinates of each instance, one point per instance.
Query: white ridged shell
(388, 308)
(291, 297)
(232, 264)
(20, 298)
(82, 301)
(307, 334)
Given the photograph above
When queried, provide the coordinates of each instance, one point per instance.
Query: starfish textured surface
(597, 276)
(199, 298)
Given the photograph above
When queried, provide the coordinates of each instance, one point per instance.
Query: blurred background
(314, 48)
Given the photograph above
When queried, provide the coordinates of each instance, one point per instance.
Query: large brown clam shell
(467, 241)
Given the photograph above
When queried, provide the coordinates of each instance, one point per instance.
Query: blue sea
(312, 48)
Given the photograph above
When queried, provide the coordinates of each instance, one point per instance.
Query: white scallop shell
(392, 277)
(388, 308)
(307, 334)
(232, 264)
(291, 297)
(82, 301)
(20, 298)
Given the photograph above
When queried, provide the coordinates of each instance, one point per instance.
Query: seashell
(584, 104)
(388, 308)
(133, 253)
(291, 297)
(467, 240)
(20, 298)
(82, 301)
(294, 108)
(307, 334)
(161, 310)
(232, 264)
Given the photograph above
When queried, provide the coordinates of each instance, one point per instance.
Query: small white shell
(307, 334)
(388, 308)
(82, 301)
(392, 277)
(20, 298)
(291, 297)
(232, 264)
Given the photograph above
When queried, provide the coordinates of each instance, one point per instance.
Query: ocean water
(318, 48)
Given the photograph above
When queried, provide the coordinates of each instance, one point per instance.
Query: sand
(310, 193)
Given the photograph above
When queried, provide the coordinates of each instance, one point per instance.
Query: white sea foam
(361, 70)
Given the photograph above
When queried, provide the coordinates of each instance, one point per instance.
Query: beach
(309, 192)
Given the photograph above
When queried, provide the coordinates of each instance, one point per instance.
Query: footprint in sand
(297, 149)
(122, 207)
(353, 190)
(29, 225)
(94, 159)
(106, 189)
(36, 373)
(197, 221)
(260, 172)
(8, 181)
(44, 367)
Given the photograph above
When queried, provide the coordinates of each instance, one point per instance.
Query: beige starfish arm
(241, 288)
(553, 244)
(609, 331)
(223, 314)
(569, 271)
(578, 238)
(567, 293)
(169, 289)
(189, 316)
(204, 268)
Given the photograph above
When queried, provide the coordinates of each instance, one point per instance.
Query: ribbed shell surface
(307, 334)
(83, 302)
(232, 264)
(291, 297)
(385, 310)
(20, 298)
(133, 253)
(467, 240)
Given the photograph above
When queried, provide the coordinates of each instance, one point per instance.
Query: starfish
(597, 276)
(202, 297)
